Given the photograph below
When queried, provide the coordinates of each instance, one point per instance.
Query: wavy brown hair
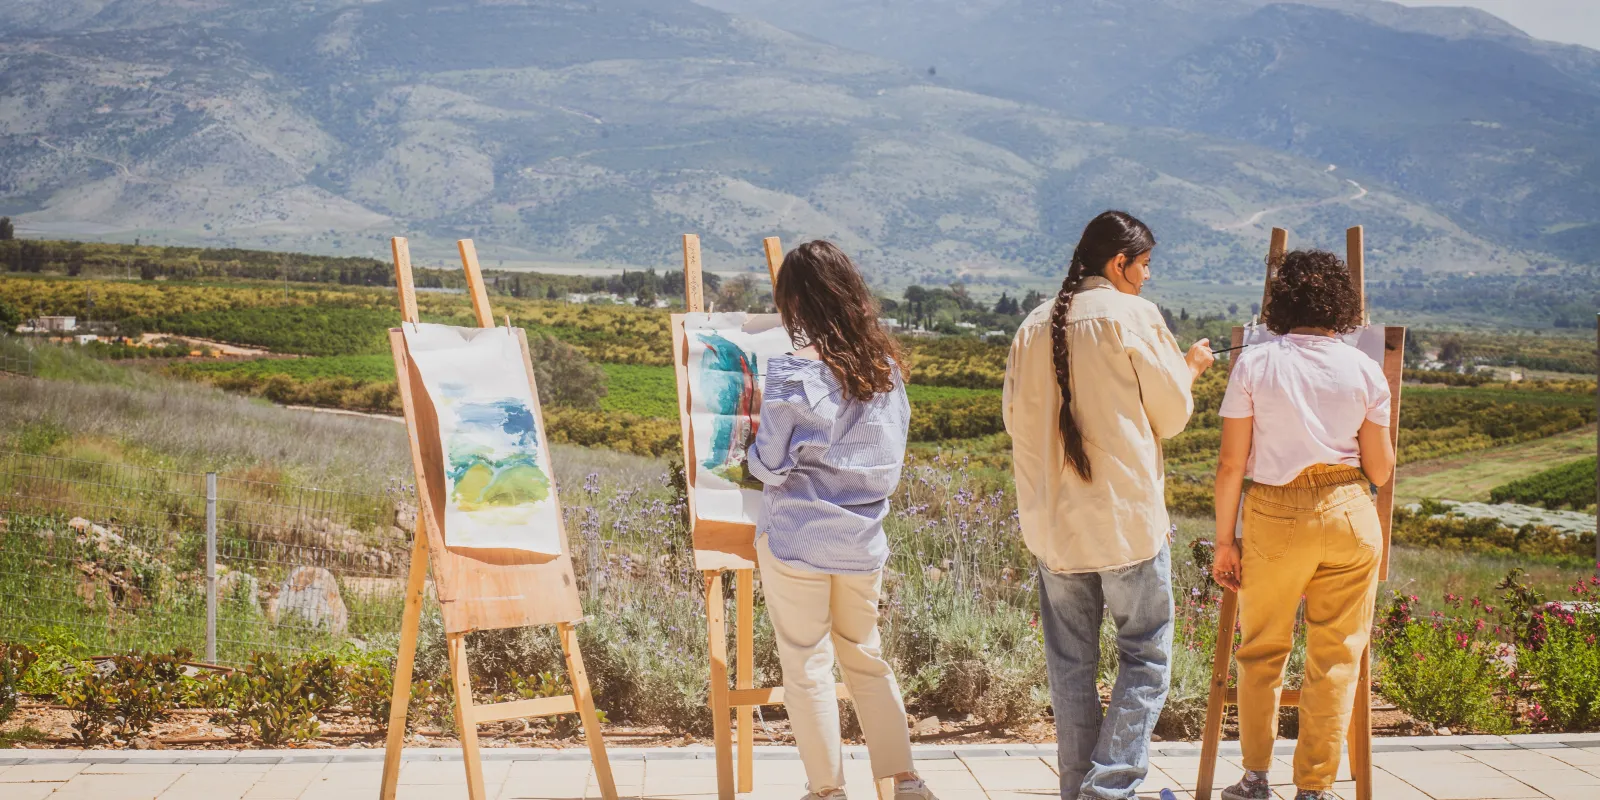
(825, 302)
(1107, 236)
(1312, 289)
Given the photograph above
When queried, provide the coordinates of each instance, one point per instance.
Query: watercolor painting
(727, 363)
(1368, 339)
(498, 487)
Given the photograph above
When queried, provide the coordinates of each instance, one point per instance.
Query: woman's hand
(1227, 567)
(1200, 357)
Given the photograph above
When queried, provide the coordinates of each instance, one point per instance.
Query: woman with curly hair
(829, 449)
(1094, 381)
(1306, 419)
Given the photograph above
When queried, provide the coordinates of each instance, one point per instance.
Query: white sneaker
(830, 794)
(914, 789)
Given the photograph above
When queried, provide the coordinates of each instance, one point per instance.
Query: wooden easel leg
(716, 624)
(1219, 694)
(1360, 736)
(410, 619)
(465, 719)
(745, 635)
(585, 700)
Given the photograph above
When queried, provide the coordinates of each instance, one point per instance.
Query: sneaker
(1253, 786)
(914, 789)
(827, 794)
(1312, 794)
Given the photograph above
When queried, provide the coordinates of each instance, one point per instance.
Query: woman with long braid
(1093, 383)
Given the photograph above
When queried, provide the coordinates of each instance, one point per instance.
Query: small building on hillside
(56, 324)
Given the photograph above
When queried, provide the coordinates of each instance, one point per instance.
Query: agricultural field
(1471, 477)
(1567, 486)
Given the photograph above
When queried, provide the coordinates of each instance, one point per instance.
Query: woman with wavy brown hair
(1094, 382)
(1306, 418)
(830, 446)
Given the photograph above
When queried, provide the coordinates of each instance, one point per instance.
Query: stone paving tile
(1014, 774)
(28, 791)
(949, 783)
(28, 773)
(126, 768)
(1522, 760)
(147, 786)
(445, 772)
(1576, 756)
(1546, 779)
(205, 783)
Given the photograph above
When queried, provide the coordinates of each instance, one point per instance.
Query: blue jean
(1106, 755)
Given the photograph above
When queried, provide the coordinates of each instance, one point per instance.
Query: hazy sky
(1572, 21)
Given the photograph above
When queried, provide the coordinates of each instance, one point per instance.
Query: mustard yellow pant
(1316, 537)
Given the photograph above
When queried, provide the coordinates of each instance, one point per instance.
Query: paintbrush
(1228, 349)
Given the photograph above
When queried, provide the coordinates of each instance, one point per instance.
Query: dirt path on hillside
(1255, 219)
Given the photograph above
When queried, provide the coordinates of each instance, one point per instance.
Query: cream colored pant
(815, 614)
(1317, 537)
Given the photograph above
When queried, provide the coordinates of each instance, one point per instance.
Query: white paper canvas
(727, 366)
(1368, 339)
(499, 490)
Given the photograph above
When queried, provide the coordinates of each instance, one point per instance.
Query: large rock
(312, 594)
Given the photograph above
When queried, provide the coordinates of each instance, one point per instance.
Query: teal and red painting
(727, 363)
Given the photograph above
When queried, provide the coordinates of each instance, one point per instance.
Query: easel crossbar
(771, 696)
(520, 709)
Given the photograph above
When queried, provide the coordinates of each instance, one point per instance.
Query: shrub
(1565, 671)
(1442, 672)
(370, 689)
(146, 685)
(92, 698)
(564, 375)
(278, 700)
(15, 661)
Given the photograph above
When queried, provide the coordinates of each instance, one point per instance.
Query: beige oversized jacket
(1130, 389)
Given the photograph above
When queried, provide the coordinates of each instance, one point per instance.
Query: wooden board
(478, 588)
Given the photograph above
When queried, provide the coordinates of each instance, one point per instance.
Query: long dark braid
(1111, 234)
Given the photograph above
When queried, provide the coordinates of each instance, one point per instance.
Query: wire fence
(127, 557)
(15, 356)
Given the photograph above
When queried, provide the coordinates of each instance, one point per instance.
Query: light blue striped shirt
(829, 463)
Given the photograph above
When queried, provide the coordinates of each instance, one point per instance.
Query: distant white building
(889, 323)
(603, 298)
(56, 324)
(970, 325)
(85, 338)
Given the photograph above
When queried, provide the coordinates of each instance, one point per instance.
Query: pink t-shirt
(1308, 396)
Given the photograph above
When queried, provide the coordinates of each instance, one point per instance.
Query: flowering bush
(1558, 659)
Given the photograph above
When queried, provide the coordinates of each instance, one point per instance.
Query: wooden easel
(478, 589)
(1359, 738)
(720, 546)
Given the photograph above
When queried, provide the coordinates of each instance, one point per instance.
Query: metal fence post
(211, 567)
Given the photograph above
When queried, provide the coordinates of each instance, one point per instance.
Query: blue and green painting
(493, 456)
(730, 384)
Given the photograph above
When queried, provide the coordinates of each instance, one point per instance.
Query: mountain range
(597, 130)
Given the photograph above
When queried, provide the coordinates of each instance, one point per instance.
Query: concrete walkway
(1558, 767)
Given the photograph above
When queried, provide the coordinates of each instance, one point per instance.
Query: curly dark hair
(1312, 289)
(824, 301)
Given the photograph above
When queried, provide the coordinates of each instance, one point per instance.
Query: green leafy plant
(277, 699)
(146, 686)
(59, 652)
(91, 696)
(1443, 671)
